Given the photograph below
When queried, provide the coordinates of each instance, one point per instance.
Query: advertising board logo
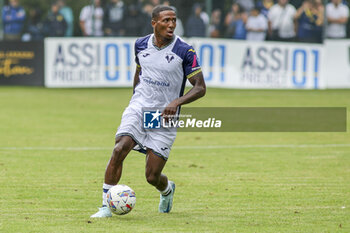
(151, 119)
(277, 66)
(11, 63)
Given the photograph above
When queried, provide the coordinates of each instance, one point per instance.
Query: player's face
(165, 24)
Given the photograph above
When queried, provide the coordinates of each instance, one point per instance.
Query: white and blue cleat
(103, 212)
(166, 202)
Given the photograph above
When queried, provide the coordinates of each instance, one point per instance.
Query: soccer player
(164, 64)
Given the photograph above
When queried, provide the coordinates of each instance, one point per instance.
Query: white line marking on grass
(263, 146)
(57, 148)
(182, 147)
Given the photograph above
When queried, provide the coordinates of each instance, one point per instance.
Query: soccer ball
(121, 199)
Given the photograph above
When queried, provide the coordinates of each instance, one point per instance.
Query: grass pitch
(55, 143)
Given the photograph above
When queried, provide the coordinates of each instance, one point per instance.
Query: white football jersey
(164, 71)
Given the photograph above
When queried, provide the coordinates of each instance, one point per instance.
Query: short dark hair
(156, 11)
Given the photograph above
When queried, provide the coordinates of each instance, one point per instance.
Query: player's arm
(197, 91)
(136, 77)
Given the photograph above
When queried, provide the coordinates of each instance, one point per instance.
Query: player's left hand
(170, 111)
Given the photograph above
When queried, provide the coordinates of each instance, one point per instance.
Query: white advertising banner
(270, 65)
(338, 63)
(109, 62)
(89, 62)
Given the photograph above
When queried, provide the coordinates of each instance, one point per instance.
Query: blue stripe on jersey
(141, 44)
(180, 48)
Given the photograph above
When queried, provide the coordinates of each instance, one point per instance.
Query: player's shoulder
(141, 43)
(181, 48)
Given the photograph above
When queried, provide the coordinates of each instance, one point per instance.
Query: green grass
(48, 184)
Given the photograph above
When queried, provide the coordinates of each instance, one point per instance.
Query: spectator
(155, 3)
(147, 17)
(256, 25)
(195, 25)
(264, 6)
(247, 5)
(135, 21)
(67, 13)
(337, 16)
(179, 30)
(34, 28)
(13, 18)
(229, 16)
(215, 26)
(91, 19)
(205, 17)
(166, 3)
(236, 21)
(310, 21)
(297, 3)
(113, 19)
(55, 25)
(281, 21)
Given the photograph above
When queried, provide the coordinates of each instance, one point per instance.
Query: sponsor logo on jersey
(155, 82)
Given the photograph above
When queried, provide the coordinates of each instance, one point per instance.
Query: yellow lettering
(20, 54)
(9, 68)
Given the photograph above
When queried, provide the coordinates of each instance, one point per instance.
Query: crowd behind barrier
(277, 20)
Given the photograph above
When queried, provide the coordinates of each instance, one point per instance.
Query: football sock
(105, 187)
(167, 190)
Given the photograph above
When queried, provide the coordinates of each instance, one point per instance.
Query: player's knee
(118, 153)
(152, 179)
(120, 149)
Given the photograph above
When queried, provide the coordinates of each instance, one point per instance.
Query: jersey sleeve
(190, 63)
(136, 58)
(140, 44)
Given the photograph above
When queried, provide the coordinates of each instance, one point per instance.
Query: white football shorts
(159, 141)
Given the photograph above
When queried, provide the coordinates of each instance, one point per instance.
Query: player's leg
(154, 167)
(154, 176)
(123, 146)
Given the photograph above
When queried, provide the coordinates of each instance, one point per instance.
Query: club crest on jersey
(169, 58)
